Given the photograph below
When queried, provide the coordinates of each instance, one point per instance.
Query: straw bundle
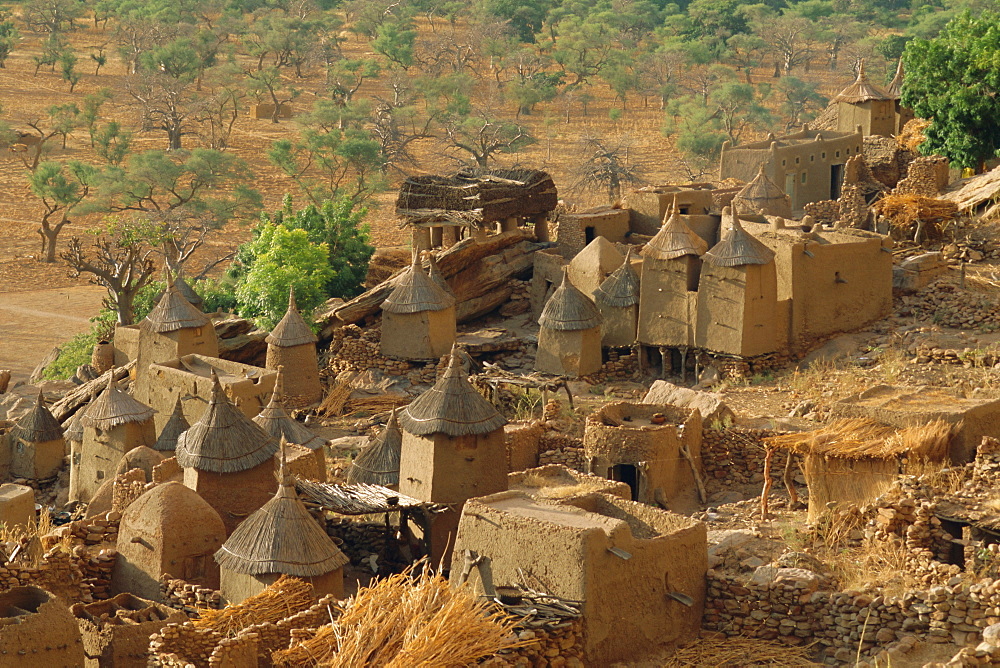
(674, 239)
(292, 329)
(568, 309)
(406, 620)
(335, 400)
(859, 438)
(906, 212)
(912, 135)
(284, 598)
(737, 246)
(376, 403)
(176, 425)
(114, 407)
(451, 407)
(720, 652)
(38, 425)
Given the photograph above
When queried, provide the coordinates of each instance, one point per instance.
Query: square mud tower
(38, 447)
(649, 206)
(618, 301)
(576, 230)
(655, 450)
(569, 334)
(37, 630)
(864, 105)
(292, 345)
(594, 264)
(631, 566)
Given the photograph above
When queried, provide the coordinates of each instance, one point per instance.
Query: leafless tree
(168, 104)
(607, 166)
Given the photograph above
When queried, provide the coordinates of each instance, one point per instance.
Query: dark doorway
(628, 474)
(836, 180)
(588, 234)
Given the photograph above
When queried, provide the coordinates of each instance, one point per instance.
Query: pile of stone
(57, 571)
(743, 368)
(357, 349)
(545, 647)
(520, 299)
(619, 365)
(736, 456)
(96, 570)
(925, 177)
(189, 597)
(358, 540)
(947, 305)
(92, 530)
(823, 211)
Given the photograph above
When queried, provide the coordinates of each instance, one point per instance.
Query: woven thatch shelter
(378, 462)
(453, 449)
(617, 299)
(569, 335)
(276, 421)
(866, 105)
(853, 461)
(418, 317)
(593, 264)
(762, 195)
(176, 425)
(671, 267)
(37, 443)
(280, 538)
(169, 529)
(228, 459)
(292, 345)
(113, 424)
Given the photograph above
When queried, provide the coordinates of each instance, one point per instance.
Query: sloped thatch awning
(977, 194)
(358, 499)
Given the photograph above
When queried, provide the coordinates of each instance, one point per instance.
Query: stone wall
(544, 647)
(557, 448)
(189, 597)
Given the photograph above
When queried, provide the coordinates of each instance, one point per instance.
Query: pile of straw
(335, 400)
(411, 619)
(859, 438)
(720, 652)
(910, 214)
(284, 598)
(912, 135)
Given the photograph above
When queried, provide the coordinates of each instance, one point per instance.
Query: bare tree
(606, 165)
(483, 138)
(168, 103)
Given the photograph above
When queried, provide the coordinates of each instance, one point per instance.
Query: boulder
(709, 404)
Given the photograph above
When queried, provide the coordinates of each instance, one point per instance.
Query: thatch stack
(173, 311)
(737, 247)
(175, 426)
(378, 462)
(915, 216)
(287, 596)
(861, 90)
(224, 440)
(113, 408)
(38, 425)
(674, 239)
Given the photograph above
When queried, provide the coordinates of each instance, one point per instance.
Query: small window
(76, 458)
(823, 155)
(838, 154)
(803, 177)
(20, 446)
(783, 163)
(812, 158)
(796, 161)
(100, 475)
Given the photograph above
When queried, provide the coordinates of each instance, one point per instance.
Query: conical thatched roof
(451, 407)
(292, 329)
(621, 288)
(115, 407)
(174, 312)
(436, 275)
(38, 425)
(188, 292)
(674, 239)
(176, 425)
(763, 194)
(416, 292)
(74, 428)
(281, 537)
(568, 309)
(274, 420)
(737, 247)
(861, 90)
(378, 462)
(895, 89)
(224, 440)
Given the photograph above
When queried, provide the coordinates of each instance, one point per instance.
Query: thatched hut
(895, 92)
(418, 318)
(378, 462)
(671, 267)
(453, 449)
(276, 421)
(280, 538)
(763, 196)
(113, 424)
(854, 461)
(617, 299)
(292, 345)
(37, 443)
(169, 529)
(434, 271)
(569, 335)
(865, 105)
(228, 459)
(175, 426)
(738, 294)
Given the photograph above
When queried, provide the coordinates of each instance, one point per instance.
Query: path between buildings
(34, 321)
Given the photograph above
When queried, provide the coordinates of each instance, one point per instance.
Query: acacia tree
(60, 187)
(482, 138)
(607, 166)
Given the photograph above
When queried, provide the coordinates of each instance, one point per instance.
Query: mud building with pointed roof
(617, 299)
(865, 105)
(378, 461)
(292, 345)
(418, 318)
(569, 334)
(276, 421)
(38, 446)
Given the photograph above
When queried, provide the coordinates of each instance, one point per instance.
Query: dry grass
(720, 652)
(411, 619)
(859, 438)
(884, 564)
(892, 362)
(282, 599)
(549, 488)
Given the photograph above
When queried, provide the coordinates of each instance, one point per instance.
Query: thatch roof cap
(74, 428)
(188, 292)
(378, 462)
(895, 89)
(175, 426)
(292, 329)
(621, 288)
(416, 292)
(568, 309)
(435, 274)
(281, 537)
(174, 312)
(737, 246)
(276, 421)
(861, 90)
(115, 407)
(224, 440)
(761, 189)
(451, 407)
(38, 425)
(674, 239)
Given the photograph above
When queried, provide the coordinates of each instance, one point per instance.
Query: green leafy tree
(396, 40)
(67, 68)
(60, 187)
(282, 258)
(798, 100)
(112, 143)
(9, 36)
(953, 80)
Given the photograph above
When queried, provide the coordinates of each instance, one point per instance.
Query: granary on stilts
(618, 301)
(378, 462)
(292, 345)
(280, 538)
(228, 459)
(418, 317)
(569, 335)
